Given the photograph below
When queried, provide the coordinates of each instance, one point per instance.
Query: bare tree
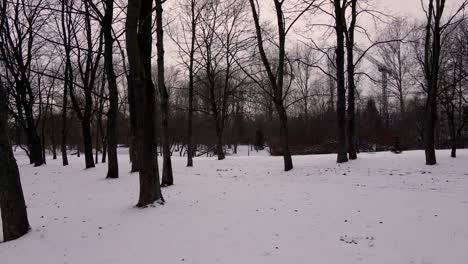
(88, 56)
(276, 76)
(190, 17)
(340, 29)
(19, 46)
(167, 177)
(139, 42)
(397, 58)
(434, 34)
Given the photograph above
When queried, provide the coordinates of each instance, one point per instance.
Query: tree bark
(139, 42)
(340, 77)
(431, 67)
(167, 177)
(284, 134)
(133, 153)
(351, 84)
(113, 166)
(87, 142)
(13, 207)
(190, 151)
(66, 83)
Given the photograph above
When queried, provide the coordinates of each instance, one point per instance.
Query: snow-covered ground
(382, 208)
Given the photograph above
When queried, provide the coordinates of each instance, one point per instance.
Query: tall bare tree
(435, 29)
(19, 46)
(139, 43)
(340, 29)
(167, 177)
(276, 75)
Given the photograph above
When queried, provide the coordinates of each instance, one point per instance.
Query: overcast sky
(412, 7)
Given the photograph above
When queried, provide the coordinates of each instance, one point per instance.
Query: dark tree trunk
(63, 147)
(139, 42)
(167, 177)
(96, 142)
(431, 68)
(104, 149)
(429, 131)
(133, 142)
(284, 134)
(452, 131)
(13, 207)
(219, 140)
(113, 166)
(351, 84)
(340, 87)
(190, 151)
(87, 142)
(35, 148)
(66, 84)
(54, 146)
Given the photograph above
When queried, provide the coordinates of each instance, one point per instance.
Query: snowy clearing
(382, 208)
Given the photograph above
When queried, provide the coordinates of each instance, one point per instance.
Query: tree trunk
(453, 133)
(96, 142)
(63, 147)
(284, 134)
(431, 67)
(87, 142)
(219, 140)
(66, 84)
(351, 84)
(104, 149)
(340, 77)
(167, 177)
(190, 151)
(113, 166)
(133, 142)
(54, 146)
(139, 42)
(34, 143)
(13, 207)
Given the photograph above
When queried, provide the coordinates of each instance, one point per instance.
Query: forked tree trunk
(139, 42)
(431, 67)
(13, 207)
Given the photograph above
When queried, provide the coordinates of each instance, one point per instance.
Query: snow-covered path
(382, 208)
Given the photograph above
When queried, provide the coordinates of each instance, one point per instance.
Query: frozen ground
(383, 208)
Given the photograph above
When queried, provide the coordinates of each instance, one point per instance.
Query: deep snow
(382, 208)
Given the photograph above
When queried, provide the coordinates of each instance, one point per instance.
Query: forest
(170, 89)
